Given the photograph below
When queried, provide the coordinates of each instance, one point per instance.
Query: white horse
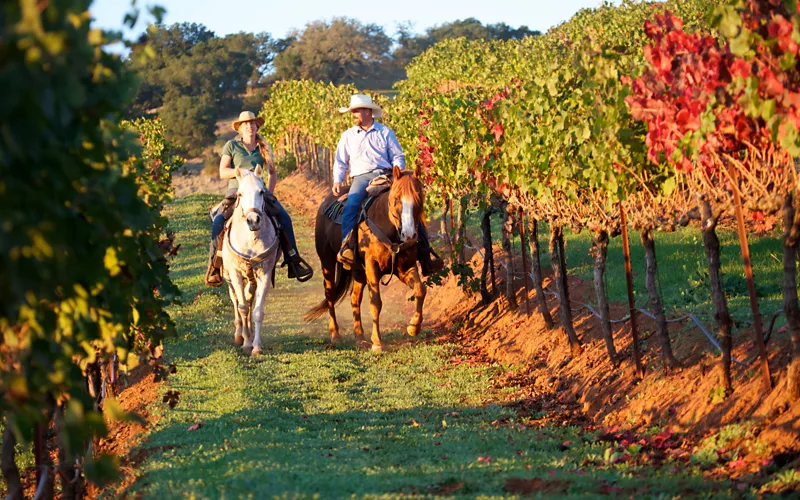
(248, 258)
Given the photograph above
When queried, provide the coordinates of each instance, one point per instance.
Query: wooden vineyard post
(600, 250)
(508, 230)
(488, 261)
(525, 270)
(791, 234)
(651, 265)
(533, 243)
(751, 286)
(559, 263)
(626, 250)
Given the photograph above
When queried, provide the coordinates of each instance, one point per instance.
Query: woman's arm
(268, 158)
(272, 173)
(225, 169)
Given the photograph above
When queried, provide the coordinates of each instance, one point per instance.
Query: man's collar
(375, 125)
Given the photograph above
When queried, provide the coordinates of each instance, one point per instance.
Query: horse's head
(251, 197)
(406, 199)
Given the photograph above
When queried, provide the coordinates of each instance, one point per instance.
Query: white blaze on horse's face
(251, 200)
(408, 229)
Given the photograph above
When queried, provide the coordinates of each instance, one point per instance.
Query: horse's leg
(237, 317)
(355, 301)
(411, 278)
(257, 310)
(375, 303)
(329, 281)
(243, 305)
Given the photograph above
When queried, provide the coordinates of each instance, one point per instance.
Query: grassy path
(305, 420)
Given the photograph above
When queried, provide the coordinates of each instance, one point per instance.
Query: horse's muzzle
(254, 218)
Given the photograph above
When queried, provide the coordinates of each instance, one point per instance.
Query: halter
(249, 261)
(253, 210)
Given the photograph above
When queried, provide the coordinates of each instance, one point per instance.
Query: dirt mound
(141, 391)
(684, 400)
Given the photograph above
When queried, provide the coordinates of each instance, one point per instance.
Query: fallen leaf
(195, 427)
(735, 464)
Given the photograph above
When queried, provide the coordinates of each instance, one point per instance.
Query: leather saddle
(376, 187)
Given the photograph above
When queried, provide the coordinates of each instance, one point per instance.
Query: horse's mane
(408, 186)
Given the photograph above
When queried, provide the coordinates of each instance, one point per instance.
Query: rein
(250, 260)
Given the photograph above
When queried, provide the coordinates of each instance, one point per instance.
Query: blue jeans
(283, 217)
(358, 193)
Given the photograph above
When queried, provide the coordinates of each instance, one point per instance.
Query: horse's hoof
(412, 330)
(377, 348)
(335, 339)
(238, 340)
(256, 351)
(359, 339)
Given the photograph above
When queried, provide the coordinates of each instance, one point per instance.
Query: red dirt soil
(140, 392)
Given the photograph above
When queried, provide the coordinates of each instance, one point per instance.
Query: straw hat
(247, 116)
(363, 101)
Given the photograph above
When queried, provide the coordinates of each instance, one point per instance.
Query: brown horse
(387, 244)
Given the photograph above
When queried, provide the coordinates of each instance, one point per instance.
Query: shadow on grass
(278, 450)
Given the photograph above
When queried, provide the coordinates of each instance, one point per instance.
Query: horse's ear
(396, 172)
(238, 173)
(259, 171)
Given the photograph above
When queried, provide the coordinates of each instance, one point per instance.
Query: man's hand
(337, 188)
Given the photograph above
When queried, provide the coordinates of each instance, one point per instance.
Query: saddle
(377, 186)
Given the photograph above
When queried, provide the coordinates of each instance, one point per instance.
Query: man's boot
(347, 255)
(429, 261)
(213, 275)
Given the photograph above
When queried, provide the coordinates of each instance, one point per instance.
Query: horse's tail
(344, 279)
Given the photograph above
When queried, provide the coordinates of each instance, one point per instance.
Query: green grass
(682, 269)
(305, 420)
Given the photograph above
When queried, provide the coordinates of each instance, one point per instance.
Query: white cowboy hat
(363, 101)
(247, 116)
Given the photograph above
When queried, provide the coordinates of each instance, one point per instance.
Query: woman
(247, 152)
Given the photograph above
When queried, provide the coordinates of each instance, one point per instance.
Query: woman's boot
(213, 274)
(298, 268)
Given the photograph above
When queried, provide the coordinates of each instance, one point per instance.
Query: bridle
(393, 247)
(251, 210)
(249, 261)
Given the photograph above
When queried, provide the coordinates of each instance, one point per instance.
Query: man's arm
(340, 166)
(396, 155)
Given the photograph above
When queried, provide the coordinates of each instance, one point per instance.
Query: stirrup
(301, 270)
(209, 278)
(346, 261)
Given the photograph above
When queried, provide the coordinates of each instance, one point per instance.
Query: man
(369, 149)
